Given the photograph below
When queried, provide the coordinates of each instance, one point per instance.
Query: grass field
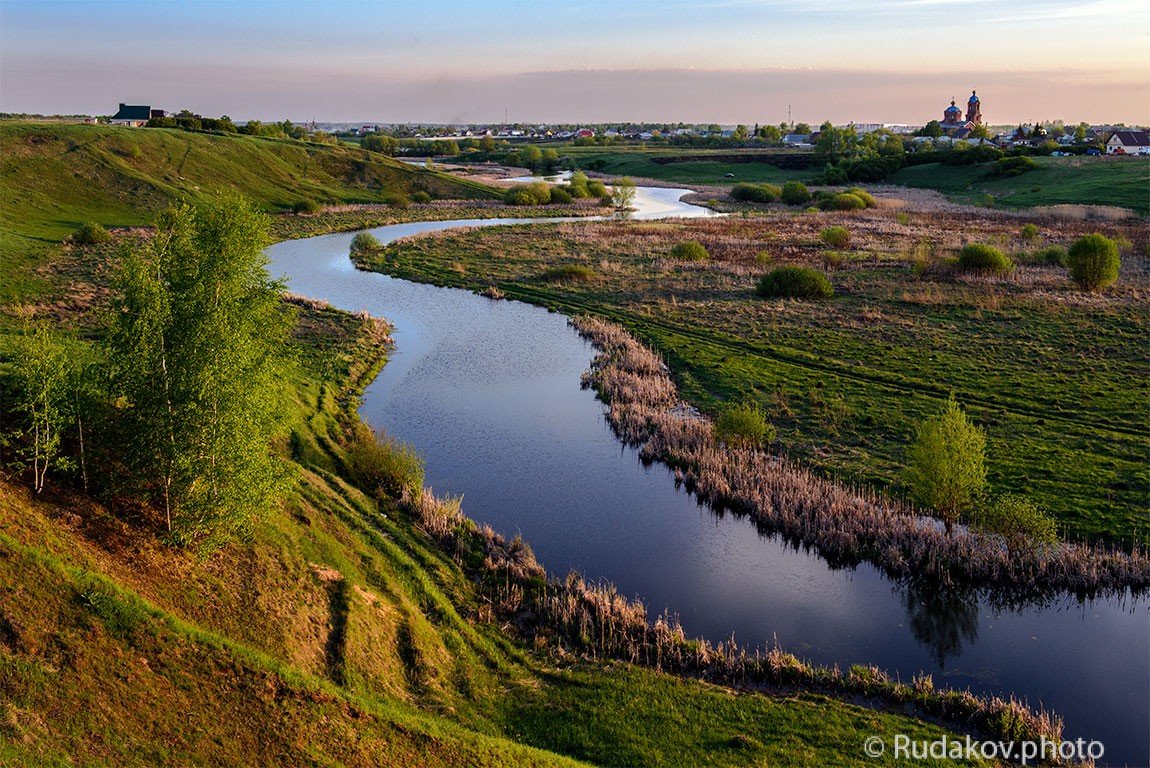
(56, 177)
(1058, 379)
(641, 163)
(1120, 181)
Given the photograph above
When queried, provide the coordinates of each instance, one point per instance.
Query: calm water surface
(488, 393)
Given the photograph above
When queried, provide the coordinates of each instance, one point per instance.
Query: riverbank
(1054, 376)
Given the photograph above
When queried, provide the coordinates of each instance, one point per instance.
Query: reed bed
(845, 525)
(593, 620)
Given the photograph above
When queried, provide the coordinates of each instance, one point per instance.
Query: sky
(449, 61)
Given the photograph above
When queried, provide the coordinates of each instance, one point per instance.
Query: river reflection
(488, 392)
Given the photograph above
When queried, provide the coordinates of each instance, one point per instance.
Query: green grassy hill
(1120, 181)
(686, 165)
(56, 177)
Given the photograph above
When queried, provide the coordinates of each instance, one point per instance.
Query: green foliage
(836, 237)
(979, 257)
(560, 196)
(579, 186)
(596, 188)
(91, 234)
(1093, 261)
(1028, 232)
(764, 258)
(755, 193)
(306, 207)
(1013, 166)
(845, 201)
(379, 142)
(364, 243)
(1053, 255)
(689, 250)
(195, 348)
(795, 193)
(421, 197)
(382, 466)
(744, 426)
(536, 193)
(623, 196)
(946, 464)
(578, 273)
(1020, 522)
(862, 194)
(795, 283)
(49, 377)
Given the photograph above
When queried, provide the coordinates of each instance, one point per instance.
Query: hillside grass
(1056, 378)
(56, 177)
(642, 163)
(1118, 181)
(337, 634)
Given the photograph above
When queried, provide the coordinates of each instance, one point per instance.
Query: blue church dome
(973, 98)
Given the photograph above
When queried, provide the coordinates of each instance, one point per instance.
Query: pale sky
(726, 61)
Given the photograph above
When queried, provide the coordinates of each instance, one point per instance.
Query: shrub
(560, 196)
(795, 283)
(903, 218)
(833, 259)
(537, 193)
(382, 466)
(836, 237)
(91, 234)
(755, 193)
(979, 257)
(690, 250)
(596, 188)
(795, 193)
(365, 242)
(764, 258)
(306, 206)
(947, 463)
(743, 426)
(1029, 232)
(421, 197)
(1093, 262)
(397, 200)
(862, 194)
(1051, 254)
(1018, 520)
(1014, 166)
(845, 201)
(569, 273)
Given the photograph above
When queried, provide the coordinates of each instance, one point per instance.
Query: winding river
(488, 393)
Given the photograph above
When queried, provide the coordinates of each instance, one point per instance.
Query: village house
(134, 115)
(1129, 143)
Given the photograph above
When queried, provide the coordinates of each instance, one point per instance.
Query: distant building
(135, 115)
(1128, 143)
(953, 122)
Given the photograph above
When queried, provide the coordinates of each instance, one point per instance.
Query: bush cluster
(382, 466)
(744, 426)
(756, 193)
(836, 237)
(306, 207)
(795, 193)
(795, 283)
(91, 234)
(689, 250)
(1093, 262)
(1013, 166)
(979, 257)
(365, 242)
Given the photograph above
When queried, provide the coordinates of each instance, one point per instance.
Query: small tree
(1094, 262)
(623, 196)
(947, 463)
(364, 242)
(46, 374)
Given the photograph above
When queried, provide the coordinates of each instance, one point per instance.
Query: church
(953, 123)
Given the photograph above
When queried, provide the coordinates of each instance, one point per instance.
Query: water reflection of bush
(941, 618)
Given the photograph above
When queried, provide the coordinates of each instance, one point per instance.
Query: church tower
(974, 109)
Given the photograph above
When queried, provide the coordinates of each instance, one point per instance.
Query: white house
(1129, 143)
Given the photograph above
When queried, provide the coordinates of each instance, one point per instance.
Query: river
(488, 393)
